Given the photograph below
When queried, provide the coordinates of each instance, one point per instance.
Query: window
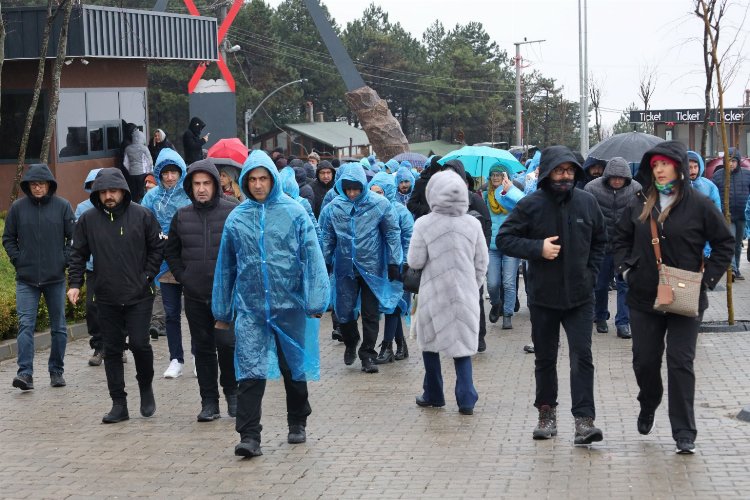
(15, 105)
(90, 122)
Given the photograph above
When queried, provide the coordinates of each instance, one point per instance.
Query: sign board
(731, 115)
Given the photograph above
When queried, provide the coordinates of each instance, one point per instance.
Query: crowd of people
(258, 256)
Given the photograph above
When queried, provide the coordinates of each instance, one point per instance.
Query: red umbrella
(232, 149)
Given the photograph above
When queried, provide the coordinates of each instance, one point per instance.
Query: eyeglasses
(564, 171)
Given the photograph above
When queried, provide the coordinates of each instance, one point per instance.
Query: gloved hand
(394, 274)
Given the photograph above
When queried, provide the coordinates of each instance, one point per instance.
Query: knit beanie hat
(663, 158)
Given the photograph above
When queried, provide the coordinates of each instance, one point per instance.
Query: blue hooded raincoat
(361, 238)
(404, 174)
(164, 202)
(291, 188)
(702, 184)
(270, 277)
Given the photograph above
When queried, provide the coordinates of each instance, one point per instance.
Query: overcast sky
(626, 39)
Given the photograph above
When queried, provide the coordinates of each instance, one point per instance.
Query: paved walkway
(367, 439)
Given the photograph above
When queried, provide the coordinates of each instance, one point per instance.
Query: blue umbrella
(478, 160)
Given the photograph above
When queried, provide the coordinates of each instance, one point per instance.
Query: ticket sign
(731, 115)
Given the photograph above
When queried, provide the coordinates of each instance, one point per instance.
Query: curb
(9, 348)
(744, 414)
(740, 325)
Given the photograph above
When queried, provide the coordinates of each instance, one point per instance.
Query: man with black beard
(124, 239)
(559, 229)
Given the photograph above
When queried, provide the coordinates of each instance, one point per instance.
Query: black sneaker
(248, 448)
(528, 348)
(369, 366)
(685, 446)
(645, 422)
(23, 382)
(494, 313)
(209, 412)
(154, 333)
(601, 326)
(423, 403)
(350, 354)
(586, 433)
(296, 434)
(56, 380)
(623, 331)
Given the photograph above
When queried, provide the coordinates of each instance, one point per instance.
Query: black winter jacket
(739, 190)
(195, 236)
(568, 280)
(192, 142)
(417, 203)
(692, 221)
(124, 241)
(38, 232)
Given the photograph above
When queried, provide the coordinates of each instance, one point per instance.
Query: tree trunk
(54, 99)
(708, 66)
(382, 128)
(34, 102)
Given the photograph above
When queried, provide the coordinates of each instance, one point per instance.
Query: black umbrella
(630, 145)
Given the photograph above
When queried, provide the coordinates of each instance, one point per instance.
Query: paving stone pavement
(367, 439)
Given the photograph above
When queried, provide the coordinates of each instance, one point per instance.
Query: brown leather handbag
(679, 290)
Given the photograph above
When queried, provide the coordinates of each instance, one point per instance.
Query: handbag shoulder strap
(655, 241)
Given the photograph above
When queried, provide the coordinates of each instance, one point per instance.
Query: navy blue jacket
(739, 190)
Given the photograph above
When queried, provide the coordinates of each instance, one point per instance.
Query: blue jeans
(601, 292)
(171, 296)
(27, 303)
(466, 394)
(502, 271)
(737, 228)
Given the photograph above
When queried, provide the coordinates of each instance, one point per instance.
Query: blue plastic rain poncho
(404, 174)
(164, 202)
(702, 184)
(505, 204)
(291, 188)
(360, 237)
(85, 205)
(391, 166)
(270, 277)
(532, 173)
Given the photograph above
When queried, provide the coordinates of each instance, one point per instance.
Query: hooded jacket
(612, 202)
(305, 190)
(476, 202)
(739, 190)
(507, 201)
(361, 237)
(87, 205)
(575, 218)
(403, 216)
(192, 142)
(587, 177)
(156, 147)
(137, 158)
(269, 277)
(288, 180)
(692, 221)
(404, 174)
(195, 235)
(704, 185)
(448, 245)
(417, 203)
(125, 243)
(332, 193)
(319, 187)
(38, 232)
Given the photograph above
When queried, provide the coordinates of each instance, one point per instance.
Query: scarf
(495, 206)
(667, 189)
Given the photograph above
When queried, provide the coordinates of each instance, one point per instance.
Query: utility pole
(519, 120)
(583, 71)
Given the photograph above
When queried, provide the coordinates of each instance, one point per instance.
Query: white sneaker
(195, 368)
(174, 370)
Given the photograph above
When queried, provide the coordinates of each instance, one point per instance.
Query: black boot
(402, 350)
(296, 434)
(148, 403)
(118, 413)
(386, 353)
(231, 404)
(369, 366)
(209, 412)
(495, 313)
(507, 323)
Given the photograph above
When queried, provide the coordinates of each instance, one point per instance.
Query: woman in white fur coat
(450, 248)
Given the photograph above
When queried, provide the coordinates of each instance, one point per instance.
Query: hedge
(8, 316)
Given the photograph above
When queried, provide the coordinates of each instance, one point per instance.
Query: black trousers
(545, 333)
(250, 396)
(370, 322)
(650, 330)
(131, 321)
(92, 319)
(482, 323)
(214, 356)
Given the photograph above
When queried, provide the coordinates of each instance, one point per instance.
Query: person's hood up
(139, 137)
(404, 174)
(591, 161)
(300, 175)
(109, 178)
(735, 153)
(231, 172)
(457, 166)
(162, 134)
(206, 166)
(280, 163)
(386, 183)
(90, 179)
(392, 165)
(692, 155)
(534, 162)
(168, 156)
(447, 194)
(352, 172)
(553, 156)
(372, 159)
(406, 163)
(296, 163)
(618, 167)
(38, 172)
(289, 184)
(365, 163)
(196, 125)
(323, 165)
(257, 159)
(675, 150)
(309, 171)
(378, 166)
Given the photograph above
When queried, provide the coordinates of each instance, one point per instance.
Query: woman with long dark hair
(685, 221)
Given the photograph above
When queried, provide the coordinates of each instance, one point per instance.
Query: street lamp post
(251, 112)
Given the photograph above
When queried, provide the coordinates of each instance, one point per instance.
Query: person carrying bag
(658, 247)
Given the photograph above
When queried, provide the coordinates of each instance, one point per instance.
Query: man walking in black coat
(124, 239)
(191, 252)
(192, 142)
(560, 231)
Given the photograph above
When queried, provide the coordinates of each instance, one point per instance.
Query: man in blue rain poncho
(405, 184)
(290, 187)
(385, 185)
(270, 278)
(164, 200)
(361, 243)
